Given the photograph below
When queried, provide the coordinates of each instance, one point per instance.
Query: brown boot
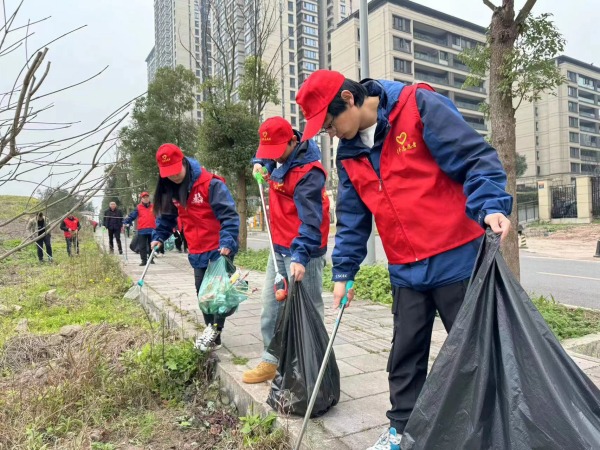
(263, 372)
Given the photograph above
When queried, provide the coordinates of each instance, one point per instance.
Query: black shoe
(143, 263)
(111, 251)
(120, 252)
(152, 262)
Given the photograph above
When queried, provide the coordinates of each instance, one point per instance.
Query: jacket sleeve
(164, 227)
(223, 206)
(268, 163)
(63, 226)
(79, 225)
(464, 156)
(354, 223)
(131, 217)
(309, 204)
(105, 220)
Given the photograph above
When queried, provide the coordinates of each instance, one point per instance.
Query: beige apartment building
(411, 43)
(559, 134)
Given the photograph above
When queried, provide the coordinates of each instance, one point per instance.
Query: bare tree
(31, 153)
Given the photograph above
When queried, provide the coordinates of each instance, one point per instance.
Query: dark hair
(166, 191)
(338, 105)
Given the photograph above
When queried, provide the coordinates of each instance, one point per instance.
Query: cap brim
(168, 171)
(272, 151)
(314, 125)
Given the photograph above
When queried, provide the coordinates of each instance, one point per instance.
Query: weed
(259, 429)
(239, 361)
(567, 322)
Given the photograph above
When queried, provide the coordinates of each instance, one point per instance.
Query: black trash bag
(133, 245)
(300, 343)
(502, 380)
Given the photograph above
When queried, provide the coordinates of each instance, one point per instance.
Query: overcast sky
(120, 34)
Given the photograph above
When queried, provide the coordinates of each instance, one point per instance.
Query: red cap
(314, 97)
(144, 194)
(274, 133)
(169, 158)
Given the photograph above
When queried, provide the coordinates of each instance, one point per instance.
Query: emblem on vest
(197, 200)
(278, 187)
(403, 146)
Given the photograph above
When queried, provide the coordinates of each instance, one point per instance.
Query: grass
(373, 283)
(115, 381)
(239, 361)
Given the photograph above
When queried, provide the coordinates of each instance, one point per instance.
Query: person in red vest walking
(202, 201)
(71, 226)
(407, 157)
(299, 222)
(146, 223)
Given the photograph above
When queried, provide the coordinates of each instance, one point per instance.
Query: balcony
(587, 100)
(426, 57)
(478, 126)
(589, 141)
(588, 129)
(431, 78)
(459, 65)
(428, 38)
(587, 114)
(459, 85)
(467, 105)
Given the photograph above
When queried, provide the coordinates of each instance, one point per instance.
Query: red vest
(284, 219)
(146, 218)
(418, 209)
(71, 224)
(202, 228)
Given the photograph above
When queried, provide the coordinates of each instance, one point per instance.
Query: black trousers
(180, 241)
(40, 244)
(116, 235)
(72, 245)
(144, 241)
(414, 313)
(210, 319)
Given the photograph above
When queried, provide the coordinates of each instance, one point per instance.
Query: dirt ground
(564, 241)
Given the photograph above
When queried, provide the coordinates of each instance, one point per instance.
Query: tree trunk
(242, 209)
(503, 33)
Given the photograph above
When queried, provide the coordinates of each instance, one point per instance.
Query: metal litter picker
(280, 286)
(315, 391)
(134, 291)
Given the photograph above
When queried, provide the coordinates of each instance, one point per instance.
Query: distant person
(113, 222)
(71, 226)
(38, 224)
(146, 223)
(94, 225)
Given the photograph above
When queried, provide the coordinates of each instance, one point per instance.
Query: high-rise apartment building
(181, 37)
(559, 134)
(411, 43)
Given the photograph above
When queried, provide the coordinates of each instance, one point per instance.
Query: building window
(290, 18)
(572, 107)
(292, 82)
(401, 45)
(309, 18)
(291, 43)
(310, 30)
(539, 170)
(401, 65)
(290, 6)
(292, 55)
(572, 92)
(311, 42)
(292, 95)
(311, 54)
(293, 121)
(536, 111)
(309, 66)
(291, 31)
(573, 137)
(343, 10)
(293, 108)
(537, 141)
(537, 126)
(574, 152)
(309, 6)
(573, 122)
(400, 23)
(292, 70)
(575, 168)
(572, 76)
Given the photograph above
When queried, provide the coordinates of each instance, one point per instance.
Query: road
(569, 281)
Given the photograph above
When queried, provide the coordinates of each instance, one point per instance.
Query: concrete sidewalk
(361, 351)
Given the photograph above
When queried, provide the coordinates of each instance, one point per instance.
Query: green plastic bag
(170, 243)
(222, 288)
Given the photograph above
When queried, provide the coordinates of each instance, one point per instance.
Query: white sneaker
(389, 440)
(209, 340)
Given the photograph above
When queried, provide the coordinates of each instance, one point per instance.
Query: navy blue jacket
(307, 198)
(459, 151)
(223, 206)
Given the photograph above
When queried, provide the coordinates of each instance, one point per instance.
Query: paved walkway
(361, 350)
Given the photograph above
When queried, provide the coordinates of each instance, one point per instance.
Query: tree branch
(490, 5)
(525, 10)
